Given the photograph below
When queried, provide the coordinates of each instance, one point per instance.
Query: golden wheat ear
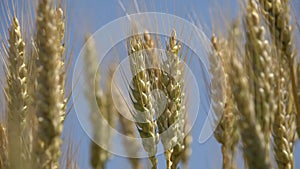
(226, 132)
(262, 70)
(48, 92)
(17, 98)
(171, 122)
(252, 137)
(140, 90)
(278, 16)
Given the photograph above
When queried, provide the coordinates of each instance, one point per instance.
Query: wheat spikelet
(252, 137)
(141, 98)
(17, 97)
(262, 71)
(48, 94)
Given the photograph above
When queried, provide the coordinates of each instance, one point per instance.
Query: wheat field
(73, 95)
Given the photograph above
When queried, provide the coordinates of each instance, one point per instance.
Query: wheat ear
(48, 94)
(99, 156)
(252, 137)
(278, 16)
(17, 97)
(171, 121)
(141, 98)
(226, 132)
(262, 71)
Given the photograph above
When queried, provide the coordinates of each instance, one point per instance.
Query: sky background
(87, 16)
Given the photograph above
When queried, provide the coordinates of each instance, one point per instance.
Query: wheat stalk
(48, 94)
